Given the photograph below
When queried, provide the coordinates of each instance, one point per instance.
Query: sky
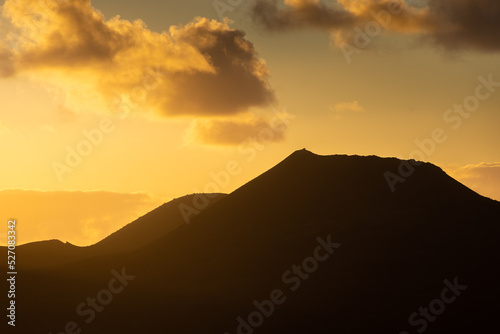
(108, 109)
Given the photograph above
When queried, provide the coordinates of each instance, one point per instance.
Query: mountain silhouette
(140, 232)
(384, 255)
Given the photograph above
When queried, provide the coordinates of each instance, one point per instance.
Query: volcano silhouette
(370, 259)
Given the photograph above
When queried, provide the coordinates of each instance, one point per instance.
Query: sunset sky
(110, 108)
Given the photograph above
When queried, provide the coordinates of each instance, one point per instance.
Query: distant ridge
(133, 236)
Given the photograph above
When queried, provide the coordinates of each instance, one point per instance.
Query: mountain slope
(149, 227)
(146, 229)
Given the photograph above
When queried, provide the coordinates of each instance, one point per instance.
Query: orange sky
(155, 103)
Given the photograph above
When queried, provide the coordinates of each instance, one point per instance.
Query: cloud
(483, 178)
(344, 15)
(82, 218)
(203, 68)
(451, 24)
(6, 62)
(340, 109)
(301, 14)
(239, 80)
(229, 132)
(463, 24)
(353, 106)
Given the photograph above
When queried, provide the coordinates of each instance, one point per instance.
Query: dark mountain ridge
(396, 250)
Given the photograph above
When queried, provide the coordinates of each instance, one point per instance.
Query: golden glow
(81, 218)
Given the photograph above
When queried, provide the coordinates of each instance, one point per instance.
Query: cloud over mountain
(483, 178)
(228, 132)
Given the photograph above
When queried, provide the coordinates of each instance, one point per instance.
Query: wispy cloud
(343, 108)
(353, 106)
(229, 132)
(483, 178)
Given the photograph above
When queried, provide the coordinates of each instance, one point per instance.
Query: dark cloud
(451, 24)
(466, 24)
(239, 79)
(301, 14)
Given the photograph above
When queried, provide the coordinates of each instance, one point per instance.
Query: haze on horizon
(108, 109)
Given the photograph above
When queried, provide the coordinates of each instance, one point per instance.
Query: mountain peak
(303, 154)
